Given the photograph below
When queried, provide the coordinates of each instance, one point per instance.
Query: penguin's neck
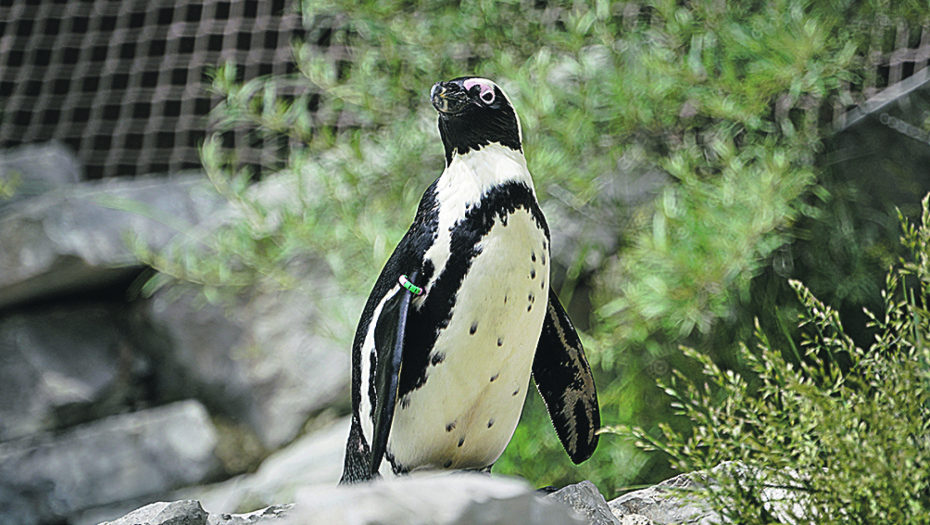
(471, 176)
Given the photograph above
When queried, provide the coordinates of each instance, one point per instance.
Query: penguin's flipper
(563, 378)
(389, 345)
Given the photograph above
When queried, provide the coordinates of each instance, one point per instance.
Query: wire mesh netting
(125, 83)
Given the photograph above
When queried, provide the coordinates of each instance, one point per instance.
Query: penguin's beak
(448, 97)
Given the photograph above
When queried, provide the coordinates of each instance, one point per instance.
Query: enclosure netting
(124, 83)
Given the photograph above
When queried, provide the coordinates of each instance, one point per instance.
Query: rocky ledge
(440, 499)
(463, 498)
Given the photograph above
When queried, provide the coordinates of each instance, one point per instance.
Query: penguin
(463, 312)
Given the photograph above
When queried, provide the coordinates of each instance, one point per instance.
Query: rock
(443, 499)
(274, 513)
(304, 337)
(269, 361)
(635, 519)
(678, 500)
(474, 499)
(73, 239)
(114, 459)
(433, 499)
(186, 512)
(190, 512)
(37, 168)
(313, 459)
(196, 347)
(665, 503)
(64, 365)
(587, 501)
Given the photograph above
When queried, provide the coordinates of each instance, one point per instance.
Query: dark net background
(124, 83)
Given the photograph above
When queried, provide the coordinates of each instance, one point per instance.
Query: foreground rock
(46, 478)
(680, 499)
(189, 512)
(665, 503)
(467, 498)
(443, 499)
(314, 459)
(587, 501)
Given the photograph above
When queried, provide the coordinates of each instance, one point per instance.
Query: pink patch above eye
(472, 82)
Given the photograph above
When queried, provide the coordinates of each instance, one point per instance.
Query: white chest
(463, 184)
(465, 413)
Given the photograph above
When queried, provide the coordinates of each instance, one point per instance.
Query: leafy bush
(844, 431)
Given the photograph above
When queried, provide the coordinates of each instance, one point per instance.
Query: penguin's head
(474, 112)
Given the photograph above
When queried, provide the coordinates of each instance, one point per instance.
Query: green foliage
(845, 430)
(724, 97)
(710, 78)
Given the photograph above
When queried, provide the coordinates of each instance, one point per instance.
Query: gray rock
(37, 168)
(115, 459)
(302, 366)
(635, 519)
(73, 239)
(587, 501)
(313, 459)
(65, 365)
(679, 500)
(190, 512)
(274, 513)
(187, 512)
(665, 503)
(196, 347)
(270, 361)
(444, 499)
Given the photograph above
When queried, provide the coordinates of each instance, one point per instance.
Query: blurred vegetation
(843, 432)
(9, 183)
(726, 98)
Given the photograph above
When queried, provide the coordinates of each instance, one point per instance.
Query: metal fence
(124, 83)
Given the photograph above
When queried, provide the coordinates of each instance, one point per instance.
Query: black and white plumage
(439, 378)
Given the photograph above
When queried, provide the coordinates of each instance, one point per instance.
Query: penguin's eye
(487, 97)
